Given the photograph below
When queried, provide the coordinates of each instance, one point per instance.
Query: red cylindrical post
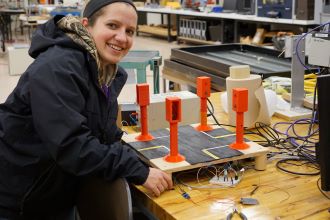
(239, 127)
(142, 98)
(203, 114)
(240, 105)
(174, 139)
(173, 116)
(144, 120)
(203, 91)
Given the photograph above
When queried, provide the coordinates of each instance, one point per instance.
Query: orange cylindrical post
(239, 127)
(144, 120)
(240, 105)
(203, 91)
(142, 99)
(174, 139)
(173, 116)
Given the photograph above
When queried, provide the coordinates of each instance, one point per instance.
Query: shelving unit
(233, 19)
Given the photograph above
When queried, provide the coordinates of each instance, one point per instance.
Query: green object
(139, 60)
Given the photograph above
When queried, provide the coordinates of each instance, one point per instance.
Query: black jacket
(58, 127)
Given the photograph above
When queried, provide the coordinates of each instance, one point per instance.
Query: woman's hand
(158, 181)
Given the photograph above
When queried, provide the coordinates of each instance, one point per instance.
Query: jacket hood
(48, 35)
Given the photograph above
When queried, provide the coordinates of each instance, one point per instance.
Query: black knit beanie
(94, 5)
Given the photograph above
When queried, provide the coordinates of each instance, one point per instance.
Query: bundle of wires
(292, 148)
(227, 170)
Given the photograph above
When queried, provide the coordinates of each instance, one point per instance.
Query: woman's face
(113, 31)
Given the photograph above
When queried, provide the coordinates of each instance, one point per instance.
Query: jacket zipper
(32, 187)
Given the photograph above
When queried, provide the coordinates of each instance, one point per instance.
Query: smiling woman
(58, 126)
(113, 31)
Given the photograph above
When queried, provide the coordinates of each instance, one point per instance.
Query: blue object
(275, 9)
(185, 195)
(217, 9)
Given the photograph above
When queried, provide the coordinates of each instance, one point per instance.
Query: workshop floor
(7, 82)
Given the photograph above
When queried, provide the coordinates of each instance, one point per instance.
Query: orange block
(173, 116)
(240, 99)
(173, 109)
(240, 105)
(142, 94)
(203, 86)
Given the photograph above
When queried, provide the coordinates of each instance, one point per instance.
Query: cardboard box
(190, 105)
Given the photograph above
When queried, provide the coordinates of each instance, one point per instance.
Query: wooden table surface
(281, 195)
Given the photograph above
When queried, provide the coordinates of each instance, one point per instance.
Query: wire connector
(185, 195)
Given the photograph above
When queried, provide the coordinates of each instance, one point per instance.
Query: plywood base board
(308, 101)
(294, 114)
(199, 148)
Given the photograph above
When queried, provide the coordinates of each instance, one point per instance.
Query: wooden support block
(308, 101)
(239, 72)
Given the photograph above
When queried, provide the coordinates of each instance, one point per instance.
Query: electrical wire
(182, 192)
(288, 146)
(211, 113)
(286, 161)
(269, 135)
(302, 37)
(134, 121)
(277, 188)
(214, 174)
(123, 124)
(291, 145)
(271, 139)
(218, 172)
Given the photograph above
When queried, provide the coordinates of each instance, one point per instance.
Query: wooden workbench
(280, 195)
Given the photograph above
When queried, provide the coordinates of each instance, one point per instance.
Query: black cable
(267, 129)
(271, 136)
(214, 118)
(210, 110)
(286, 161)
(286, 145)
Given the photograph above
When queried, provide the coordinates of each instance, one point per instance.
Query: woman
(58, 126)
